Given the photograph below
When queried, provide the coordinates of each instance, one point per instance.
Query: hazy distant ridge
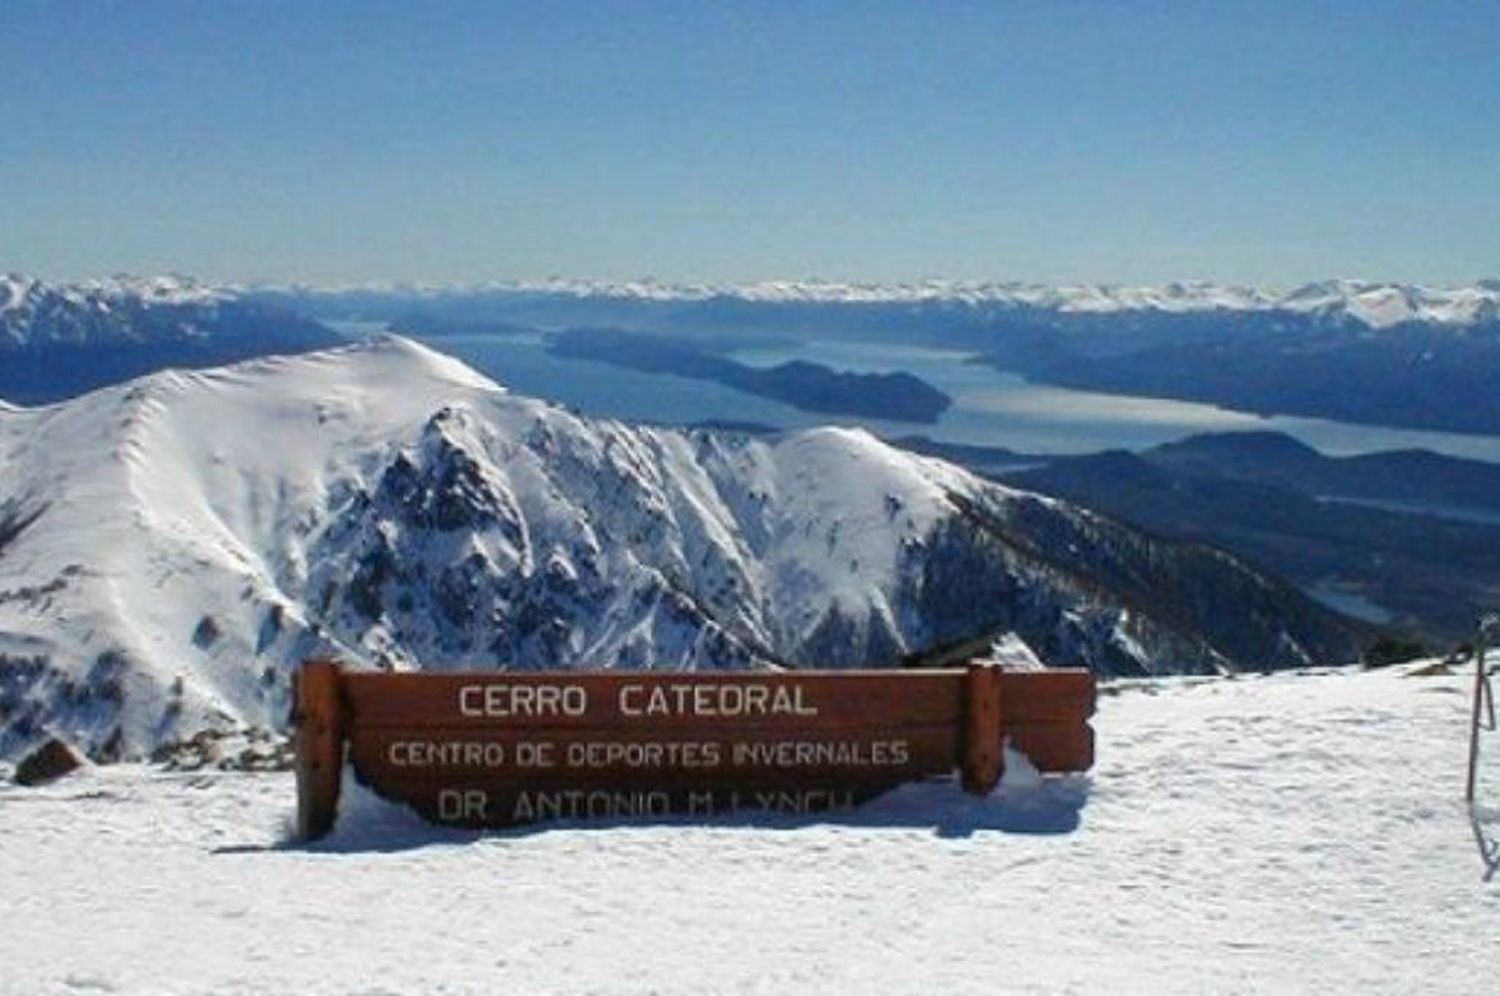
(1377, 304)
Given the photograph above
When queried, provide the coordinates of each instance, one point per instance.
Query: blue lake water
(1351, 603)
(990, 408)
(1461, 513)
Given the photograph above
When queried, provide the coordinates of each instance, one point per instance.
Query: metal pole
(1487, 628)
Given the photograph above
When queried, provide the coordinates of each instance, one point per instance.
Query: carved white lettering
(469, 804)
(536, 754)
(822, 753)
(468, 697)
(713, 700)
(756, 697)
(507, 700)
(809, 801)
(657, 705)
(430, 754)
(630, 696)
(665, 754)
(573, 804)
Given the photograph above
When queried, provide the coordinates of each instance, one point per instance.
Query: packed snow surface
(1292, 833)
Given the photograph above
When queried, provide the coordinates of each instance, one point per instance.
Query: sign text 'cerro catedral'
(501, 749)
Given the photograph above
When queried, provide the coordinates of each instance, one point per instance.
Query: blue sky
(1114, 141)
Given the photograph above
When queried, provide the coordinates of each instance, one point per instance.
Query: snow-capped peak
(15, 290)
(175, 544)
(161, 289)
(18, 290)
(1375, 304)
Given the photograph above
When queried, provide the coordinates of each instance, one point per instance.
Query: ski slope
(1289, 833)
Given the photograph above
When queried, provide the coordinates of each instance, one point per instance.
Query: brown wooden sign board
(498, 749)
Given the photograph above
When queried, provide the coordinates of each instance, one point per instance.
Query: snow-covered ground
(1293, 833)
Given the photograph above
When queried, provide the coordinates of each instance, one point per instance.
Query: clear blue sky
(1113, 141)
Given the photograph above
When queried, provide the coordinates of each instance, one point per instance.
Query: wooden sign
(497, 749)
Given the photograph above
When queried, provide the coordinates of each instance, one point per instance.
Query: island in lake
(808, 386)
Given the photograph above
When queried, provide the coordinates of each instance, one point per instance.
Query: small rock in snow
(47, 763)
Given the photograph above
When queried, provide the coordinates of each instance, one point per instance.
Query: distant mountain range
(171, 547)
(1418, 373)
(1374, 304)
(1378, 353)
(1371, 303)
(1385, 354)
(1406, 538)
(58, 341)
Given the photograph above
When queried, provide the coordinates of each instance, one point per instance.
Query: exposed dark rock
(270, 628)
(207, 633)
(106, 677)
(15, 518)
(47, 763)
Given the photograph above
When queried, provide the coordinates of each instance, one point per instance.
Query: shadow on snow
(1483, 821)
(1041, 806)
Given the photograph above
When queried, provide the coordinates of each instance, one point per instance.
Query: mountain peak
(191, 536)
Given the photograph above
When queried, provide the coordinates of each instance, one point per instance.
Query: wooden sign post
(497, 749)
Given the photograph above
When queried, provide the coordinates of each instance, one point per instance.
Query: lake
(990, 408)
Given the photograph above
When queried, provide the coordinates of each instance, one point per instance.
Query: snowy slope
(1293, 833)
(170, 548)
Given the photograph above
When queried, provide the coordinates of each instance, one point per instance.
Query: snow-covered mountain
(32, 312)
(60, 340)
(170, 548)
(1375, 304)
(113, 309)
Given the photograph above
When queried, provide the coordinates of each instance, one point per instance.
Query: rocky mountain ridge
(172, 547)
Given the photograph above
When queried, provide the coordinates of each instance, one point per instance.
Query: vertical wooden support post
(319, 718)
(984, 753)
